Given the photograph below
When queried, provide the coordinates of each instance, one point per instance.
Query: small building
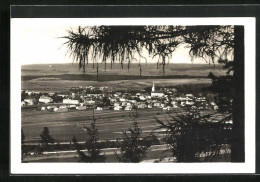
(142, 97)
(116, 104)
(70, 101)
(128, 108)
(60, 109)
(23, 103)
(29, 101)
(150, 106)
(117, 108)
(45, 99)
(51, 108)
(141, 106)
(99, 108)
(215, 107)
(81, 108)
(122, 99)
(89, 102)
(189, 95)
(157, 104)
(189, 102)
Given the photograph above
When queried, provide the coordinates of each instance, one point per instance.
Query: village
(100, 98)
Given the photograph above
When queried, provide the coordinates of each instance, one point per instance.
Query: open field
(147, 70)
(63, 126)
(110, 124)
(61, 77)
(63, 85)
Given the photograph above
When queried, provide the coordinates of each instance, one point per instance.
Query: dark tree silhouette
(92, 144)
(22, 147)
(46, 138)
(134, 147)
(22, 137)
(126, 43)
(192, 137)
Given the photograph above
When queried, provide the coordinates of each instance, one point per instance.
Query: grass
(147, 70)
(64, 85)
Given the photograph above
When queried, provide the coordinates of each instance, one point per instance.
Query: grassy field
(110, 124)
(63, 85)
(147, 70)
(63, 126)
(60, 77)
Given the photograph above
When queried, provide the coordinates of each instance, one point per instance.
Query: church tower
(153, 88)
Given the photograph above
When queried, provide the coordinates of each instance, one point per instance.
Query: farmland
(61, 77)
(110, 124)
(63, 126)
(147, 70)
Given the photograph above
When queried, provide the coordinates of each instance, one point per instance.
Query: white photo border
(17, 167)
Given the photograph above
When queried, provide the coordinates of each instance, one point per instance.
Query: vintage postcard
(132, 95)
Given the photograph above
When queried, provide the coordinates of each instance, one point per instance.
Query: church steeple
(153, 88)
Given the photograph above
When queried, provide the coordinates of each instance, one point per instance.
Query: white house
(23, 103)
(99, 108)
(29, 101)
(117, 108)
(128, 108)
(45, 99)
(70, 101)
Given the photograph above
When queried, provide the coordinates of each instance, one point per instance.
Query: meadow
(197, 70)
(61, 77)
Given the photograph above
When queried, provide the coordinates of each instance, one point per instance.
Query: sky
(36, 41)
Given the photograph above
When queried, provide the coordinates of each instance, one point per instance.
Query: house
(70, 101)
(117, 108)
(116, 104)
(89, 102)
(60, 109)
(81, 108)
(51, 108)
(45, 99)
(122, 99)
(128, 108)
(29, 101)
(157, 104)
(163, 105)
(189, 102)
(99, 108)
(23, 103)
(189, 95)
(141, 97)
(142, 106)
(123, 104)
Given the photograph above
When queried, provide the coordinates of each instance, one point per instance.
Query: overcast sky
(36, 41)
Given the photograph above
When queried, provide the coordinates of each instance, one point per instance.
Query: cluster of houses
(100, 98)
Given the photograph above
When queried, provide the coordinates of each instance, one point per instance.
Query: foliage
(134, 147)
(128, 43)
(46, 138)
(190, 134)
(212, 43)
(92, 145)
(22, 137)
(223, 87)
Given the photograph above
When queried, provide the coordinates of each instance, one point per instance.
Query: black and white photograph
(132, 95)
